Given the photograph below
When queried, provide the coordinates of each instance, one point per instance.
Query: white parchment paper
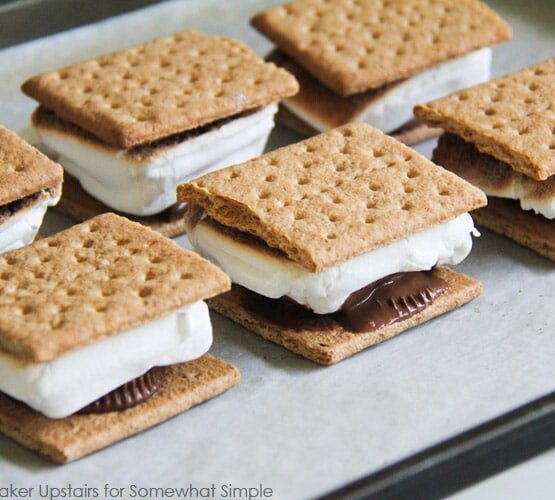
(291, 426)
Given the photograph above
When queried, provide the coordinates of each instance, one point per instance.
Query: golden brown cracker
(355, 46)
(334, 196)
(25, 171)
(70, 438)
(160, 88)
(320, 338)
(92, 281)
(511, 118)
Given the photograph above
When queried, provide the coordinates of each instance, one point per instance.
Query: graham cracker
(25, 171)
(320, 338)
(355, 46)
(92, 281)
(334, 196)
(70, 438)
(511, 118)
(80, 205)
(160, 88)
(526, 228)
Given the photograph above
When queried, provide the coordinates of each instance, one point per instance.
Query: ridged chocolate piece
(130, 394)
(388, 300)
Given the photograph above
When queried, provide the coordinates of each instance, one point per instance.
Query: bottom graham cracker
(320, 338)
(70, 438)
(80, 205)
(505, 217)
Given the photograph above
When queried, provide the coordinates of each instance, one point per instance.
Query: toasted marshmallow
(142, 181)
(324, 292)
(64, 385)
(21, 228)
(521, 188)
(393, 108)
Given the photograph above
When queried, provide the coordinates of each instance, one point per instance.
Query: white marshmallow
(21, 228)
(66, 384)
(325, 291)
(516, 191)
(394, 108)
(148, 186)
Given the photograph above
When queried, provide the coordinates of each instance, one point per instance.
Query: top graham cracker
(24, 170)
(511, 118)
(333, 196)
(161, 88)
(92, 281)
(355, 45)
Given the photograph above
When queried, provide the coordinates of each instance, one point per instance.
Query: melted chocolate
(131, 394)
(391, 299)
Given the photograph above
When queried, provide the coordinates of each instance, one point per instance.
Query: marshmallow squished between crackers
(92, 316)
(500, 137)
(156, 115)
(29, 184)
(321, 220)
(372, 61)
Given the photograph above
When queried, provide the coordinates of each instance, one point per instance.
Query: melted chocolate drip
(131, 394)
(391, 299)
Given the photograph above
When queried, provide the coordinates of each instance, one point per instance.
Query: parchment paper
(291, 426)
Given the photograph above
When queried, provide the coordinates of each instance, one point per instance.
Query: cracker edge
(462, 289)
(526, 228)
(58, 441)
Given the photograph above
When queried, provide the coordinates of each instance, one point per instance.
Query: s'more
(29, 184)
(500, 136)
(104, 333)
(335, 243)
(129, 126)
(371, 61)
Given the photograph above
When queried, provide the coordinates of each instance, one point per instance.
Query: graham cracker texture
(92, 281)
(333, 196)
(511, 118)
(320, 338)
(160, 88)
(355, 46)
(70, 438)
(80, 205)
(24, 170)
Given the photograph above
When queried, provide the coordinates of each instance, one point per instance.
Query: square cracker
(323, 340)
(511, 118)
(80, 205)
(92, 281)
(70, 438)
(355, 46)
(160, 88)
(24, 170)
(333, 196)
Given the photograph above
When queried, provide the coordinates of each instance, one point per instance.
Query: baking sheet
(292, 427)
